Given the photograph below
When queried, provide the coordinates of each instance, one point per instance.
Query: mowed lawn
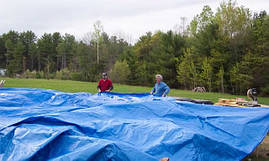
(78, 86)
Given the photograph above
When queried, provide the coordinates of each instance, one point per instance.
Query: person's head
(159, 78)
(104, 75)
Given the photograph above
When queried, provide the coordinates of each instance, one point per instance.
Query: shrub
(52, 75)
(29, 74)
(265, 90)
(75, 76)
(63, 74)
(40, 75)
(58, 75)
(120, 72)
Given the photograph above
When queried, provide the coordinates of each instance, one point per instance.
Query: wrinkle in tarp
(42, 124)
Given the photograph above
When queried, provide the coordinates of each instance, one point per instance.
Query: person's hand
(165, 159)
(163, 95)
(108, 90)
(99, 90)
(150, 92)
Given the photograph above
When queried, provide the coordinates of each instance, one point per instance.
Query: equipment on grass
(2, 82)
(199, 89)
(197, 101)
(252, 94)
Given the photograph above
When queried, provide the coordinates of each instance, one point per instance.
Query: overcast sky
(132, 17)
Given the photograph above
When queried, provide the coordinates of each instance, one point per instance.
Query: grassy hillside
(77, 86)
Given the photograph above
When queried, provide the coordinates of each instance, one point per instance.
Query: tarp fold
(42, 124)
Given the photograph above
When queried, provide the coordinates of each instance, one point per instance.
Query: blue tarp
(41, 124)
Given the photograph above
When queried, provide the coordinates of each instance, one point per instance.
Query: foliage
(226, 51)
(29, 74)
(120, 72)
(40, 75)
(207, 74)
(75, 76)
(185, 70)
(63, 74)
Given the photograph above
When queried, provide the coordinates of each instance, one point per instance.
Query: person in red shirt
(105, 85)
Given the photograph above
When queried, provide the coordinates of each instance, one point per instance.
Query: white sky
(131, 17)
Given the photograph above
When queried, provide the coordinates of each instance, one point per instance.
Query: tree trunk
(97, 52)
(32, 62)
(57, 63)
(23, 64)
(222, 85)
(64, 60)
(39, 65)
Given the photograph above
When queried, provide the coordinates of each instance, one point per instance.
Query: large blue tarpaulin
(41, 124)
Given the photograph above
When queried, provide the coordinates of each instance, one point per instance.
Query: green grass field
(77, 86)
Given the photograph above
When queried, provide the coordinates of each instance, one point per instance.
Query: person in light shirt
(160, 88)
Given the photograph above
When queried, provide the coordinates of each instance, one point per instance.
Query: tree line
(226, 51)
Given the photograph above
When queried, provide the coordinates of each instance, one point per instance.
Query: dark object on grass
(199, 89)
(252, 94)
(2, 82)
(198, 101)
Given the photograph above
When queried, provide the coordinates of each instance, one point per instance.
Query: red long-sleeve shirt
(104, 85)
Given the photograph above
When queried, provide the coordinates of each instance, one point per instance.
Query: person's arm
(110, 89)
(110, 86)
(99, 86)
(167, 90)
(153, 90)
